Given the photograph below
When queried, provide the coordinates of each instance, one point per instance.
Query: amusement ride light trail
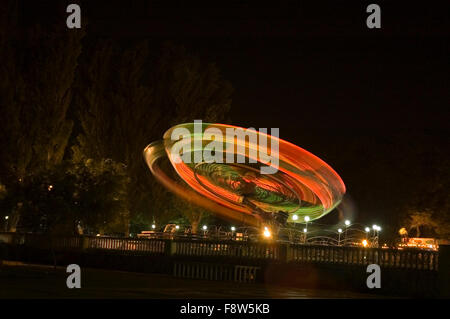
(301, 185)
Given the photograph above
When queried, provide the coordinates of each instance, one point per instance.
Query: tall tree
(37, 70)
(127, 99)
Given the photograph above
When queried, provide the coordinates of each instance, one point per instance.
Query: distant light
(374, 227)
(205, 227)
(50, 187)
(367, 229)
(305, 230)
(233, 228)
(6, 217)
(267, 233)
(306, 218)
(339, 230)
(153, 226)
(265, 228)
(378, 228)
(177, 227)
(364, 243)
(294, 217)
(347, 222)
(98, 235)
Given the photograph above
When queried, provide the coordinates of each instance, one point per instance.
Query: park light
(340, 230)
(6, 217)
(177, 227)
(306, 218)
(367, 229)
(347, 222)
(205, 227)
(153, 226)
(365, 243)
(305, 230)
(233, 228)
(294, 217)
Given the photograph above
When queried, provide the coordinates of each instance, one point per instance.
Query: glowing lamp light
(233, 228)
(294, 217)
(374, 227)
(306, 218)
(367, 229)
(6, 217)
(177, 227)
(378, 228)
(153, 226)
(305, 230)
(267, 233)
(205, 227)
(340, 230)
(347, 222)
(364, 243)
(50, 187)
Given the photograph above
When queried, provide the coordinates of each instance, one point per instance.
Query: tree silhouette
(128, 99)
(37, 70)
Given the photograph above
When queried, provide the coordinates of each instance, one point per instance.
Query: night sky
(365, 101)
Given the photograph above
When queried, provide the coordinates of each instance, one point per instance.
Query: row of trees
(76, 114)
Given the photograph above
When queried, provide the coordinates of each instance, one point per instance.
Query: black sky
(360, 99)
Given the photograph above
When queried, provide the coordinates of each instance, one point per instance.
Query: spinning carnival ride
(300, 185)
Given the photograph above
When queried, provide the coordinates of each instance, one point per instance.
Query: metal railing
(283, 252)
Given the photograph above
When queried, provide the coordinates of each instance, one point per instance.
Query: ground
(36, 281)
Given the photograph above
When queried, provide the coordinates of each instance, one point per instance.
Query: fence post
(84, 243)
(443, 271)
(284, 252)
(170, 247)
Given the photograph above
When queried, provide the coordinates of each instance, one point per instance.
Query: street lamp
(294, 217)
(266, 232)
(233, 228)
(347, 223)
(153, 226)
(339, 239)
(367, 229)
(6, 223)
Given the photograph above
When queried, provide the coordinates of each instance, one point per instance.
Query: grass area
(18, 281)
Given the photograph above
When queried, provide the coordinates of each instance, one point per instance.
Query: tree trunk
(13, 221)
(194, 226)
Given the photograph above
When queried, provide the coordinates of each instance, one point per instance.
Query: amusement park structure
(231, 172)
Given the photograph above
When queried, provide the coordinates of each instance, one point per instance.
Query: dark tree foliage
(37, 71)
(127, 99)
